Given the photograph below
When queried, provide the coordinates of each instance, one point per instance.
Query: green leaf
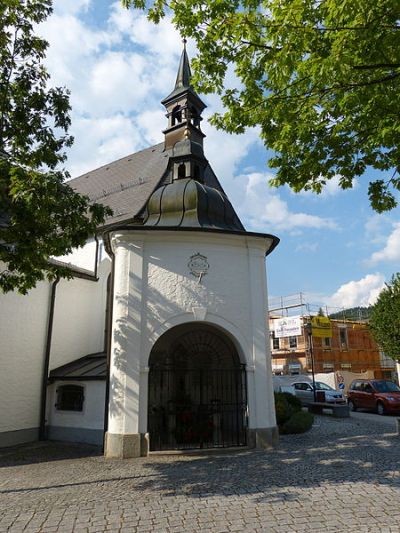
(385, 319)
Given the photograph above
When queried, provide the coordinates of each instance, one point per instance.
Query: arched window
(70, 398)
(182, 171)
(195, 118)
(176, 115)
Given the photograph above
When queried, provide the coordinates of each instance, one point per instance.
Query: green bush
(283, 407)
(299, 422)
(293, 401)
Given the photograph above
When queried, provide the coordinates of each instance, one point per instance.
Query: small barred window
(69, 398)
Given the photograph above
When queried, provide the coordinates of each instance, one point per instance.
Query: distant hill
(354, 313)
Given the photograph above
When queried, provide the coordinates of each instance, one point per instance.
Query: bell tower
(183, 136)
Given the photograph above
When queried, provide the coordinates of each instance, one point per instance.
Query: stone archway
(197, 390)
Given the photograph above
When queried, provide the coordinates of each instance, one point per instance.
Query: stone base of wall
(144, 444)
(19, 436)
(70, 434)
(120, 446)
(263, 438)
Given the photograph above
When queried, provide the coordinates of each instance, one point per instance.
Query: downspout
(108, 343)
(96, 259)
(45, 376)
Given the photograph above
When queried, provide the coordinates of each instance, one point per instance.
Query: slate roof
(125, 185)
(90, 367)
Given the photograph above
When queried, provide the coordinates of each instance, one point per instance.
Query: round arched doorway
(197, 390)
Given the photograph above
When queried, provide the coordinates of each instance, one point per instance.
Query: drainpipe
(96, 259)
(108, 345)
(45, 376)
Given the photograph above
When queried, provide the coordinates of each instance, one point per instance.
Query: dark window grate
(197, 394)
(70, 398)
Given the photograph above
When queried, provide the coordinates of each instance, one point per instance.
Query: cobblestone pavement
(341, 476)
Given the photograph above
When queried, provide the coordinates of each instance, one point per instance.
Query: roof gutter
(136, 227)
(46, 364)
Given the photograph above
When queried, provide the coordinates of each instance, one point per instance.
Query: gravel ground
(343, 475)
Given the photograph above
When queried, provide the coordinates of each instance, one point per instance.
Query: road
(390, 421)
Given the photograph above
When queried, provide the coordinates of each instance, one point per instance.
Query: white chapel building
(160, 340)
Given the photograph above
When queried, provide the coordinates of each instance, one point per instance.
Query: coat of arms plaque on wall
(198, 265)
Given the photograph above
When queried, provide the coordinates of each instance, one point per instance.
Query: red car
(377, 395)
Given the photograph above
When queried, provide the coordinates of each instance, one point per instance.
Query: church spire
(184, 74)
(184, 108)
(183, 77)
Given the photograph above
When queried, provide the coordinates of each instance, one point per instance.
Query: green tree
(385, 319)
(321, 79)
(40, 215)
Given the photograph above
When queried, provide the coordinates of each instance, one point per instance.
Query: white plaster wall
(225, 292)
(83, 257)
(171, 290)
(92, 416)
(154, 291)
(23, 325)
(78, 329)
(79, 317)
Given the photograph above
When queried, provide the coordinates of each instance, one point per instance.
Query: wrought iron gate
(197, 407)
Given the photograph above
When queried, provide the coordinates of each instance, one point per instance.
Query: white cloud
(362, 292)
(160, 39)
(391, 251)
(307, 247)
(226, 151)
(377, 228)
(119, 82)
(151, 124)
(102, 140)
(330, 189)
(262, 209)
(71, 6)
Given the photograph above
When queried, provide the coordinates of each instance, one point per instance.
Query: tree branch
(259, 45)
(377, 65)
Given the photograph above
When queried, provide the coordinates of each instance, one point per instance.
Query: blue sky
(118, 67)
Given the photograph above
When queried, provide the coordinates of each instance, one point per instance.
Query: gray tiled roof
(125, 185)
(90, 367)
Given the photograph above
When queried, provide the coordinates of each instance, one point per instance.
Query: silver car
(305, 392)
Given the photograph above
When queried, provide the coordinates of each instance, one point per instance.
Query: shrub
(283, 409)
(293, 401)
(299, 422)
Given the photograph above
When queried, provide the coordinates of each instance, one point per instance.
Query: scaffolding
(351, 346)
(297, 304)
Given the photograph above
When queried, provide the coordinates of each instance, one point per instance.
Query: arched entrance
(197, 390)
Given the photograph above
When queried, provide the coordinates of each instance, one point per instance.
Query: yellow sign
(321, 326)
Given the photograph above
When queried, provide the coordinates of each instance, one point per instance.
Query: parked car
(378, 395)
(324, 393)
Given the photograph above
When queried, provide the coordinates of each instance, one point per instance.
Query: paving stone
(343, 475)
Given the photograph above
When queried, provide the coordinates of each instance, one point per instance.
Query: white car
(305, 392)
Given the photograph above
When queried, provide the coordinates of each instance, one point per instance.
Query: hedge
(299, 422)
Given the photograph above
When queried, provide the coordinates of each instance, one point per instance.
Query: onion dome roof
(188, 203)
